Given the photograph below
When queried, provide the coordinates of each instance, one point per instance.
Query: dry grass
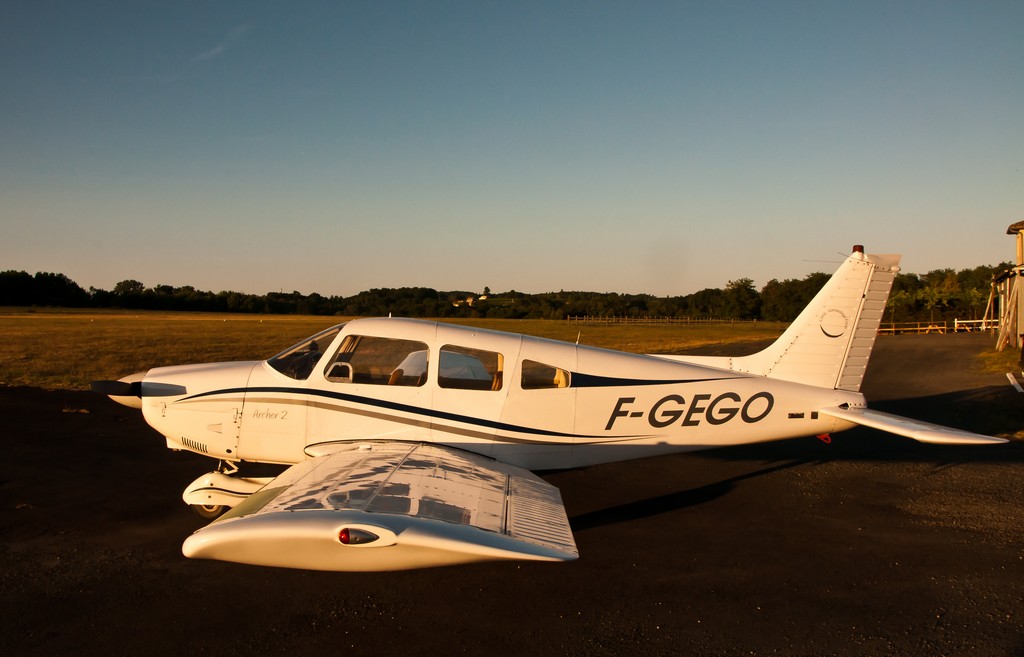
(70, 349)
(997, 362)
(66, 349)
(637, 338)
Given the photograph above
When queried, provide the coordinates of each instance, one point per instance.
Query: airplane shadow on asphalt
(669, 502)
(993, 410)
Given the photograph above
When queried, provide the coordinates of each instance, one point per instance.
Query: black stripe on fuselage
(389, 405)
(579, 380)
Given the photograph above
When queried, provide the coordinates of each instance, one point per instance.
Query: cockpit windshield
(298, 360)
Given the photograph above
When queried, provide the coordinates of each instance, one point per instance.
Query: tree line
(941, 294)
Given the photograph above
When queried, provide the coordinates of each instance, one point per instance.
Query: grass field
(66, 349)
(997, 362)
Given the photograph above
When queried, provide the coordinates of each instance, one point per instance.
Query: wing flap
(925, 432)
(424, 505)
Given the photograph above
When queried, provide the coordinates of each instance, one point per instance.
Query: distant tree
(58, 290)
(783, 301)
(102, 298)
(931, 298)
(16, 288)
(980, 278)
(975, 300)
(741, 300)
(939, 294)
(900, 301)
(709, 302)
(773, 301)
(909, 282)
(129, 287)
(940, 279)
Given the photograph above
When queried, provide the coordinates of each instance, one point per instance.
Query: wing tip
(309, 540)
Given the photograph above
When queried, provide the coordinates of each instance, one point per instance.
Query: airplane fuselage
(530, 402)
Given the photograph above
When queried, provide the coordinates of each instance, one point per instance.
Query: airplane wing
(921, 431)
(374, 506)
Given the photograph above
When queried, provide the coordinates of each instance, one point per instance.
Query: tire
(209, 511)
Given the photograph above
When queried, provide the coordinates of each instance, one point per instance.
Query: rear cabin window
(464, 368)
(379, 361)
(538, 376)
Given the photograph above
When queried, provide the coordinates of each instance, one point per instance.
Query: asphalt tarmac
(870, 545)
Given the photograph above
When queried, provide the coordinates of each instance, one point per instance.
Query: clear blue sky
(657, 147)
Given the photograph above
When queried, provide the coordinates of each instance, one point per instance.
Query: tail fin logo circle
(834, 323)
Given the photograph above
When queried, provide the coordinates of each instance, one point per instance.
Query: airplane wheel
(209, 511)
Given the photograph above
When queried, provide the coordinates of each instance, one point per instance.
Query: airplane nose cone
(126, 391)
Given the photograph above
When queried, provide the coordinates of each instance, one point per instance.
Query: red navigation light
(352, 536)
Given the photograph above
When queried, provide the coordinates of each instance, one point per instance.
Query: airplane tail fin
(829, 343)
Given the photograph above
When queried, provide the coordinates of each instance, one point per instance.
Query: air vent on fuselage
(194, 445)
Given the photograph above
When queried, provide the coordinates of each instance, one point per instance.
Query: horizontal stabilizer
(924, 432)
(392, 506)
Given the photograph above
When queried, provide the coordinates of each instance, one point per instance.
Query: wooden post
(1011, 320)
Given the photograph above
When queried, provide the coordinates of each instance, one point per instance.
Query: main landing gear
(209, 511)
(215, 493)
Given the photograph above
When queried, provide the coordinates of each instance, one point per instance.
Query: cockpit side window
(299, 360)
(538, 376)
(469, 369)
(378, 361)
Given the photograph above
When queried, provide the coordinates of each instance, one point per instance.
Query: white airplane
(411, 442)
